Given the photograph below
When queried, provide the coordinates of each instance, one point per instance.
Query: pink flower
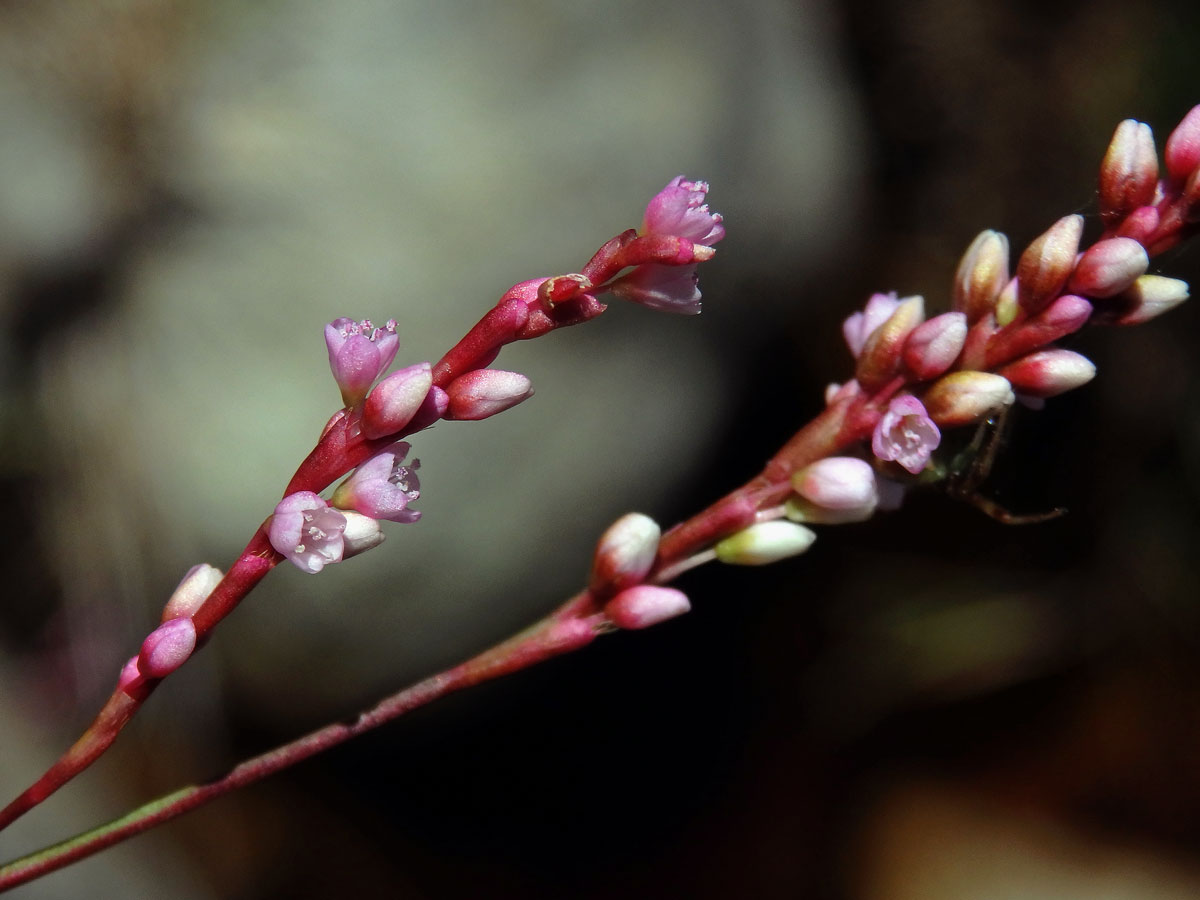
(358, 354)
(678, 210)
(383, 486)
(905, 434)
(307, 531)
(860, 325)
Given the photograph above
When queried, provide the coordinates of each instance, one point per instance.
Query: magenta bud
(485, 392)
(1140, 224)
(883, 352)
(645, 605)
(625, 553)
(1047, 263)
(1150, 296)
(982, 275)
(1182, 153)
(130, 675)
(1109, 267)
(167, 647)
(1129, 172)
(1064, 316)
(396, 400)
(933, 346)
(838, 483)
(1048, 373)
(192, 591)
(963, 398)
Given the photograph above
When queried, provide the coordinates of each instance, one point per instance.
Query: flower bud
(1109, 267)
(963, 398)
(192, 591)
(1150, 296)
(129, 674)
(981, 275)
(859, 326)
(764, 542)
(625, 552)
(883, 352)
(167, 647)
(396, 400)
(933, 346)
(485, 392)
(645, 605)
(1129, 172)
(362, 533)
(1048, 373)
(1140, 224)
(837, 482)
(1182, 153)
(1064, 316)
(1046, 264)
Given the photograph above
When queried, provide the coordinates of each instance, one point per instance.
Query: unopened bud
(645, 605)
(396, 400)
(362, 533)
(1140, 224)
(625, 552)
(860, 325)
(485, 392)
(1046, 264)
(963, 398)
(167, 647)
(833, 491)
(1182, 153)
(765, 542)
(1129, 172)
(1109, 267)
(1150, 296)
(1064, 316)
(1048, 373)
(192, 591)
(884, 349)
(981, 275)
(934, 345)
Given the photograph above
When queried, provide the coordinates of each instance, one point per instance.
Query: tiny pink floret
(307, 531)
(860, 325)
(679, 210)
(167, 647)
(905, 434)
(383, 486)
(358, 354)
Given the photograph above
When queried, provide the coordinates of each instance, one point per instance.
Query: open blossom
(307, 531)
(358, 354)
(905, 434)
(678, 210)
(383, 486)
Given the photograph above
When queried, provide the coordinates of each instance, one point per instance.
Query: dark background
(929, 705)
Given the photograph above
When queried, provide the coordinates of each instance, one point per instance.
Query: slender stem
(551, 637)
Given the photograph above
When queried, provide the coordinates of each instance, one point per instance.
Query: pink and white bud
(765, 542)
(981, 276)
(883, 353)
(1064, 316)
(383, 486)
(859, 326)
(1129, 172)
(1047, 263)
(964, 398)
(362, 533)
(307, 531)
(625, 553)
(485, 392)
(646, 605)
(833, 491)
(396, 400)
(933, 346)
(1048, 373)
(1150, 296)
(167, 647)
(192, 591)
(358, 354)
(905, 434)
(1182, 153)
(1109, 267)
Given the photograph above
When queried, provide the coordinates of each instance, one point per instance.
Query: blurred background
(930, 705)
